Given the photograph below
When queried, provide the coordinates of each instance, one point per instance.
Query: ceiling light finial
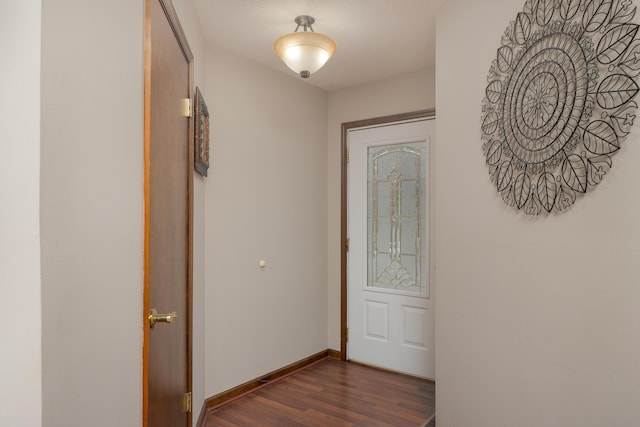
(304, 52)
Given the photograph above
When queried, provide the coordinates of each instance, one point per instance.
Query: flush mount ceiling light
(304, 52)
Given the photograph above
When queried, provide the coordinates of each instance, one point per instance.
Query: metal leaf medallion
(559, 100)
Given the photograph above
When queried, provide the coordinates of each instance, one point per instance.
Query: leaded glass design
(396, 217)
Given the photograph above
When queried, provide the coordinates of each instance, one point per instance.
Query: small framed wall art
(201, 157)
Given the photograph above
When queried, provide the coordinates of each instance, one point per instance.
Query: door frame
(172, 17)
(429, 113)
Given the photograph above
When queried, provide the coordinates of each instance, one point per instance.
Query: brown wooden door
(168, 213)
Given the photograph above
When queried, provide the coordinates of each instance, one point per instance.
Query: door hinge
(348, 243)
(348, 156)
(186, 402)
(186, 107)
(347, 335)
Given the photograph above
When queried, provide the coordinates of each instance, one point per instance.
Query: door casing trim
(429, 113)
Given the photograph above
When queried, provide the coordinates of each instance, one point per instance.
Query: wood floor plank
(332, 393)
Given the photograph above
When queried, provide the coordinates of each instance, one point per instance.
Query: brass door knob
(154, 317)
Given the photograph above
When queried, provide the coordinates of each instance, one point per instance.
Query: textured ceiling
(376, 38)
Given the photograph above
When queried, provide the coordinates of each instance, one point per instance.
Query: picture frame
(201, 134)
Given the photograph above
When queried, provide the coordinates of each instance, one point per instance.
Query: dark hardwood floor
(332, 393)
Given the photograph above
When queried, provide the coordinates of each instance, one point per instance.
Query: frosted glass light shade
(304, 52)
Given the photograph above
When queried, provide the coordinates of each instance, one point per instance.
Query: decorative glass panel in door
(396, 218)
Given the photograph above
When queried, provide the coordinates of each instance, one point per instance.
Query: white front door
(390, 293)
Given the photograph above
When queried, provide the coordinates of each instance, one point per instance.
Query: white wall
(92, 212)
(537, 318)
(401, 94)
(266, 199)
(20, 358)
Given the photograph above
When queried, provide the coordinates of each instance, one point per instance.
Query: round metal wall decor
(559, 100)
